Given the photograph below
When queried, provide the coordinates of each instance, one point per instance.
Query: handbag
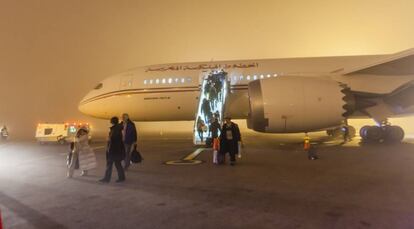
(136, 156)
(69, 157)
(240, 150)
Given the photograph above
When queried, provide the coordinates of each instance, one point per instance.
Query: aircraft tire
(374, 134)
(363, 132)
(393, 134)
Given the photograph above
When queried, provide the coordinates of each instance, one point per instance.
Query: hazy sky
(53, 51)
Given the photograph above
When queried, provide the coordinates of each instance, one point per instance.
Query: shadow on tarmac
(36, 219)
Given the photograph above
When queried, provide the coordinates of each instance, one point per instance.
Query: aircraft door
(126, 82)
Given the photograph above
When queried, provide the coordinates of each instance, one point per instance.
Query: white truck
(58, 132)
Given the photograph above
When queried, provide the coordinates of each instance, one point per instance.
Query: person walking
(312, 153)
(115, 152)
(306, 142)
(217, 115)
(200, 128)
(214, 130)
(83, 152)
(230, 139)
(206, 109)
(129, 136)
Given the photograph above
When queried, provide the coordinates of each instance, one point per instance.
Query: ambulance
(59, 132)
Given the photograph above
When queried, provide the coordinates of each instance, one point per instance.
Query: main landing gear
(383, 133)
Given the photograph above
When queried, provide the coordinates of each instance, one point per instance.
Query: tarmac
(273, 185)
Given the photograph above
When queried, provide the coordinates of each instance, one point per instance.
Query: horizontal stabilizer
(401, 63)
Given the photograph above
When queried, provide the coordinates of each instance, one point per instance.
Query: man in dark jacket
(230, 138)
(206, 109)
(214, 128)
(115, 152)
(129, 134)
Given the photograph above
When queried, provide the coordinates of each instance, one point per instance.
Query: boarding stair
(212, 101)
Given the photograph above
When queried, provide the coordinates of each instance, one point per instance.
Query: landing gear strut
(385, 133)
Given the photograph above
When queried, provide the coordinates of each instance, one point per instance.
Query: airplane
(291, 95)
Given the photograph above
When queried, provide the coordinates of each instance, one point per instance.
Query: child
(216, 148)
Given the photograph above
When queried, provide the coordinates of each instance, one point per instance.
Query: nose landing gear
(384, 133)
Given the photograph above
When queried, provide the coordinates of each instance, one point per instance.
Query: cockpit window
(99, 86)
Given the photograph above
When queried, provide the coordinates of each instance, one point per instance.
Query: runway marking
(194, 154)
(184, 162)
(189, 159)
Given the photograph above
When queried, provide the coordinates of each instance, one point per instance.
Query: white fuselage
(170, 92)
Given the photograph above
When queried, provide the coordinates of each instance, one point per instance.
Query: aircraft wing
(401, 63)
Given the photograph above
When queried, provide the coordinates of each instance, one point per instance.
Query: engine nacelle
(293, 104)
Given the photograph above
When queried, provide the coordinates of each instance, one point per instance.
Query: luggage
(240, 145)
(69, 160)
(136, 156)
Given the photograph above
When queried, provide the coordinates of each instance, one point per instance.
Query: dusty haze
(53, 51)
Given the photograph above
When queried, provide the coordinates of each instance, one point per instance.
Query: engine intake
(293, 104)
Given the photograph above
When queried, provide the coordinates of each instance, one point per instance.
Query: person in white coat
(82, 152)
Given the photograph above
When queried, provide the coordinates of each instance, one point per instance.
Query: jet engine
(292, 104)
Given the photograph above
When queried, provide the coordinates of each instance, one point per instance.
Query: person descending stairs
(212, 100)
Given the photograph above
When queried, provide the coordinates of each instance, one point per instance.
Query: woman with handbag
(83, 156)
